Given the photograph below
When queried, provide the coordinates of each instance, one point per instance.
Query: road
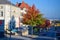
(13, 37)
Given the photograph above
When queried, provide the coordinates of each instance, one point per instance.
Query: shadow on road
(41, 39)
(7, 38)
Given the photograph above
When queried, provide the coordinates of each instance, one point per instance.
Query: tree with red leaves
(47, 22)
(33, 17)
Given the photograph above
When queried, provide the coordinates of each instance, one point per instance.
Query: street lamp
(10, 21)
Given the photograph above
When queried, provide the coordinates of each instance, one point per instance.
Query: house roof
(6, 2)
(23, 5)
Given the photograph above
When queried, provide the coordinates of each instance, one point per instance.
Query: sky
(49, 8)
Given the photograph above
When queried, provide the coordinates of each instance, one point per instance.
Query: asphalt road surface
(13, 37)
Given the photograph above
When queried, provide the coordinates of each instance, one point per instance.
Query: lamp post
(10, 31)
(10, 22)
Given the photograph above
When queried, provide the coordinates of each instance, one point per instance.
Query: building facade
(7, 10)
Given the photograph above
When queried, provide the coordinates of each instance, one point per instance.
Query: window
(14, 11)
(21, 14)
(21, 8)
(1, 13)
(1, 7)
(26, 10)
(21, 19)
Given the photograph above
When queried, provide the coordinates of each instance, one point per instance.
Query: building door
(1, 28)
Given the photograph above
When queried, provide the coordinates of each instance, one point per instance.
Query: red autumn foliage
(45, 24)
(32, 12)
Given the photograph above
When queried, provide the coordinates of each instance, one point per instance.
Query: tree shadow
(8, 38)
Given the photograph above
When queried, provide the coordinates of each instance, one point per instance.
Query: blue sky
(50, 8)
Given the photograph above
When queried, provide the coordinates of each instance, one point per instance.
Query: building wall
(9, 12)
(16, 12)
(2, 10)
(2, 17)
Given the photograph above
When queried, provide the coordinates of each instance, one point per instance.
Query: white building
(7, 10)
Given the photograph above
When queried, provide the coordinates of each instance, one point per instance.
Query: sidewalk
(43, 37)
(31, 36)
(28, 37)
(18, 37)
